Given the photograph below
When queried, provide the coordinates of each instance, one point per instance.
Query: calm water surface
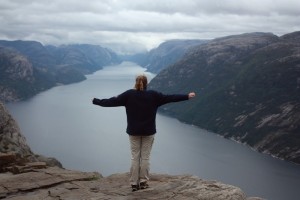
(63, 123)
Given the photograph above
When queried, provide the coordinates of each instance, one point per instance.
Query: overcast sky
(135, 25)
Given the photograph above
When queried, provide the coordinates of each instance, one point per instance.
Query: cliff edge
(58, 183)
(27, 176)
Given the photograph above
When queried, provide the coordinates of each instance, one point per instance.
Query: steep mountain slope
(17, 75)
(20, 80)
(248, 89)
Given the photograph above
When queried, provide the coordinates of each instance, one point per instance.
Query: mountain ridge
(248, 90)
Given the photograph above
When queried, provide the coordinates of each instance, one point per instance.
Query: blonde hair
(141, 83)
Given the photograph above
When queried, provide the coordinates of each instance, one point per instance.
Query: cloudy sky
(136, 25)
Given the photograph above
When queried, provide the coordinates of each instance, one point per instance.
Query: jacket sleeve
(119, 100)
(164, 99)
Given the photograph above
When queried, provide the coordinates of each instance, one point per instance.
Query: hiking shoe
(143, 185)
(134, 188)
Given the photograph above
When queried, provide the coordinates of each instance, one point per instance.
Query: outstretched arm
(164, 99)
(111, 102)
(191, 95)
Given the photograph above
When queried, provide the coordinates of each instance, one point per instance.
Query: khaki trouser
(140, 154)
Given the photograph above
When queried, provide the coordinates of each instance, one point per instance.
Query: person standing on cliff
(141, 108)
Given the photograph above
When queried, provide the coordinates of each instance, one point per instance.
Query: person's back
(141, 107)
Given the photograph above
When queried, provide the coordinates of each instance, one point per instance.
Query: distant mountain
(33, 50)
(28, 67)
(248, 89)
(86, 58)
(20, 80)
(165, 54)
(139, 58)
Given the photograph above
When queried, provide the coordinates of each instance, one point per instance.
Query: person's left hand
(192, 94)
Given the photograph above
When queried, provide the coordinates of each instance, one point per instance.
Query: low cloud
(138, 25)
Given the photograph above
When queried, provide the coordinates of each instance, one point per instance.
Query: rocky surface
(56, 183)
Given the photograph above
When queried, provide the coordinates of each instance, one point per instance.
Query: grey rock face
(13, 142)
(57, 183)
(11, 139)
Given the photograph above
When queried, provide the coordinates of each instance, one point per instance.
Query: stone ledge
(56, 183)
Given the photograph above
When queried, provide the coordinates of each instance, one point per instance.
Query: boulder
(7, 158)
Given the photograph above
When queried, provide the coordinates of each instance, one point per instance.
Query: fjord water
(63, 123)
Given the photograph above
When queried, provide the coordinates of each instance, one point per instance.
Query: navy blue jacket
(141, 108)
